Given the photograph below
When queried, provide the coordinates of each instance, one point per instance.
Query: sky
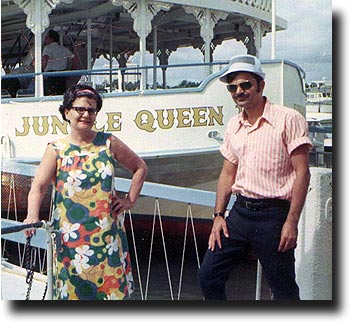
(307, 41)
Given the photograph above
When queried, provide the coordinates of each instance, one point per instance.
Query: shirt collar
(268, 112)
(268, 115)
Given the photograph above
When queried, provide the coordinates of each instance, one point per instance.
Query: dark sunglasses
(82, 110)
(244, 86)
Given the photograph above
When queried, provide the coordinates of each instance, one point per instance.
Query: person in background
(92, 260)
(27, 66)
(265, 151)
(12, 85)
(55, 58)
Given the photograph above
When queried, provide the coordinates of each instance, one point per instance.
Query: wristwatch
(217, 214)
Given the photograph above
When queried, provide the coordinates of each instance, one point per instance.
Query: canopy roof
(114, 25)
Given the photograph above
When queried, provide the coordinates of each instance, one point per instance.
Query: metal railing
(156, 76)
(321, 155)
(187, 196)
(14, 231)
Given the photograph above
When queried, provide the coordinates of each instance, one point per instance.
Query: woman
(91, 259)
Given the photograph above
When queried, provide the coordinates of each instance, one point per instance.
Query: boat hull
(177, 132)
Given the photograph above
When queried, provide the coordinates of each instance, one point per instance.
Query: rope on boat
(189, 214)
(12, 191)
(164, 249)
(150, 253)
(183, 254)
(158, 212)
(136, 255)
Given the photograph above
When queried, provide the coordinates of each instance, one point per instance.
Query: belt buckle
(251, 205)
(248, 205)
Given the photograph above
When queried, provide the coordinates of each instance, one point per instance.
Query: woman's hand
(118, 205)
(30, 220)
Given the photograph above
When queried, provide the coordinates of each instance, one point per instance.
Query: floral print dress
(91, 258)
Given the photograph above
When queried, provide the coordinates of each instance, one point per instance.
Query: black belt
(259, 204)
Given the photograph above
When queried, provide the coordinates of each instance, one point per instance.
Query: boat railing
(41, 240)
(187, 197)
(321, 155)
(126, 79)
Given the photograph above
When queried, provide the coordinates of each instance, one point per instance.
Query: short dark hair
(53, 35)
(78, 91)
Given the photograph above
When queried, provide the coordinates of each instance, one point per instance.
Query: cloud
(307, 41)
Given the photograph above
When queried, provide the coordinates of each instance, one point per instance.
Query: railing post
(49, 265)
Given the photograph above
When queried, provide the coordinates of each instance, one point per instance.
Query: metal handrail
(20, 227)
(320, 129)
(109, 70)
(167, 192)
(41, 239)
(150, 189)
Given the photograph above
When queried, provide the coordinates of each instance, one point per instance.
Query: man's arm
(299, 161)
(224, 192)
(44, 62)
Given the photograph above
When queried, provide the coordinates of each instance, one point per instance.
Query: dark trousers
(254, 226)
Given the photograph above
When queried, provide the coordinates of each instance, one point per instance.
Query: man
(27, 66)
(266, 165)
(55, 58)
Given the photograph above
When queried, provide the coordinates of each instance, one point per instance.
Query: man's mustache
(241, 95)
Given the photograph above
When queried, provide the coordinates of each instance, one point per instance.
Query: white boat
(176, 131)
(319, 97)
(319, 114)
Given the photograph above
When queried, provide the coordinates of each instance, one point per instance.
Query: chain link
(30, 254)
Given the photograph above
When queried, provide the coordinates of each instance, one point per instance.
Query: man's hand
(218, 226)
(288, 237)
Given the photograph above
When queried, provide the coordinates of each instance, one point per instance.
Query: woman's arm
(40, 184)
(129, 159)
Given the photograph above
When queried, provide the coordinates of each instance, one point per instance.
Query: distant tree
(132, 86)
(103, 85)
(186, 84)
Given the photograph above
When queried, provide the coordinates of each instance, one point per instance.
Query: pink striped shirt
(262, 151)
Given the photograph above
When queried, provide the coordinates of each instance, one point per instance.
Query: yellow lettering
(114, 121)
(183, 116)
(200, 119)
(26, 127)
(144, 120)
(58, 124)
(213, 115)
(95, 128)
(161, 119)
(44, 126)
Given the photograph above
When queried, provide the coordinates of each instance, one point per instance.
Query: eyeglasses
(244, 86)
(82, 110)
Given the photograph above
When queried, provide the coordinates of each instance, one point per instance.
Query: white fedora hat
(243, 63)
